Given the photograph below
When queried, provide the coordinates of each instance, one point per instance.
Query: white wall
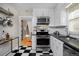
(11, 30)
(62, 31)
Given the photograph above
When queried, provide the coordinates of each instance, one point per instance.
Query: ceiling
(27, 8)
(35, 5)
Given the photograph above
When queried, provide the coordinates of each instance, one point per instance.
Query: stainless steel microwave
(43, 20)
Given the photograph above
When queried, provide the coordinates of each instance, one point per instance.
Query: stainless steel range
(43, 39)
(42, 34)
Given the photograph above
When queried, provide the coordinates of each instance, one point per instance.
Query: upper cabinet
(60, 15)
(44, 12)
(34, 21)
(41, 12)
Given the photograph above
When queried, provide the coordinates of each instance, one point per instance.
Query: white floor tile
(32, 51)
(29, 48)
(38, 54)
(45, 52)
(25, 54)
(21, 51)
(51, 53)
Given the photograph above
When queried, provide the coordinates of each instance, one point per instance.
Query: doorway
(26, 30)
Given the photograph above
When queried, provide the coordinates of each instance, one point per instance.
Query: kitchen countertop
(73, 43)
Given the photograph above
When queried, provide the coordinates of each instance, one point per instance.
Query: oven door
(43, 41)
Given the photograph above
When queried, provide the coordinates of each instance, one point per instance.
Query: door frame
(21, 24)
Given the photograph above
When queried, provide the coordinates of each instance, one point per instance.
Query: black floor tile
(18, 54)
(45, 53)
(50, 51)
(23, 48)
(27, 51)
(32, 54)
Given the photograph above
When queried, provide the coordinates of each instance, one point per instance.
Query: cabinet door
(56, 46)
(33, 42)
(34, 21)
(51, 43)
(59, 47)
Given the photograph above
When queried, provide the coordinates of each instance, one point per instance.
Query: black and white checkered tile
(27, 51)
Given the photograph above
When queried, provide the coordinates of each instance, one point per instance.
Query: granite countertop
(71, 42)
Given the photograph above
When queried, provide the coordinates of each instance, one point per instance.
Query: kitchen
(50, 28)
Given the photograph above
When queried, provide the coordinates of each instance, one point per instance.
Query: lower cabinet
(56, 46)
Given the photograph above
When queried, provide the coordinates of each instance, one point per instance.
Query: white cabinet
(33, 42)
(34, 22)
(56, 46)
(60, 15)
(41, 12)
(45, 12)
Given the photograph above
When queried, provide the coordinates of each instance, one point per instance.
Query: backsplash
(61, 30)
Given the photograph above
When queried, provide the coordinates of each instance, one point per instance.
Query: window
(74, 21)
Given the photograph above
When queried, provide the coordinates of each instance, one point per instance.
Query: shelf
(2, 10)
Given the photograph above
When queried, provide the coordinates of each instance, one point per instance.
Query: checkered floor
(27, 51)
